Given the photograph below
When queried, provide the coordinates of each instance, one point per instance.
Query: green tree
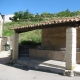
(15, 16)
(21, 15)
(27, 15)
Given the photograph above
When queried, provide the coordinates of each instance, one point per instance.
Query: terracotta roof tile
(63, 20)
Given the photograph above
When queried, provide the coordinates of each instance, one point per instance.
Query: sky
(38, 6)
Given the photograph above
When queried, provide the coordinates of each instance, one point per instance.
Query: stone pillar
(70, 51)
(10, 40)
(15, 46)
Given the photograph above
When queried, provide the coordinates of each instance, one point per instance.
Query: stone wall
(50, 54)
(1, 26)
(3, 43)
(55, 38)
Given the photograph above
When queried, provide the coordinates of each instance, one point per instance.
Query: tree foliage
(27, 16)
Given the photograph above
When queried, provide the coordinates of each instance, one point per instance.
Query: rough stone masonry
(1, 24)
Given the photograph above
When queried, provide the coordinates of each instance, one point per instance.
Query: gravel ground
(24, 73)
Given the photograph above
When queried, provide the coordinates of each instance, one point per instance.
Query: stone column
(10, 40)
(15, 46)
(70, 51)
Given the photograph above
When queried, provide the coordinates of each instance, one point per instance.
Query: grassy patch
(7, 26)
(34, 36)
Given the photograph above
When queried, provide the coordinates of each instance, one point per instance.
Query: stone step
(23, 55)
(23, 47)
(23, 51)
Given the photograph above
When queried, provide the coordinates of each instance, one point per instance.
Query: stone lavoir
(65, 32)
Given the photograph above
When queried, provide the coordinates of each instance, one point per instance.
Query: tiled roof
(57, 21)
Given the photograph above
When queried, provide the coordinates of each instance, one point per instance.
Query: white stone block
(70, 35)
(69, 54)
(70, 29)
(71, 41)
(70, 46)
